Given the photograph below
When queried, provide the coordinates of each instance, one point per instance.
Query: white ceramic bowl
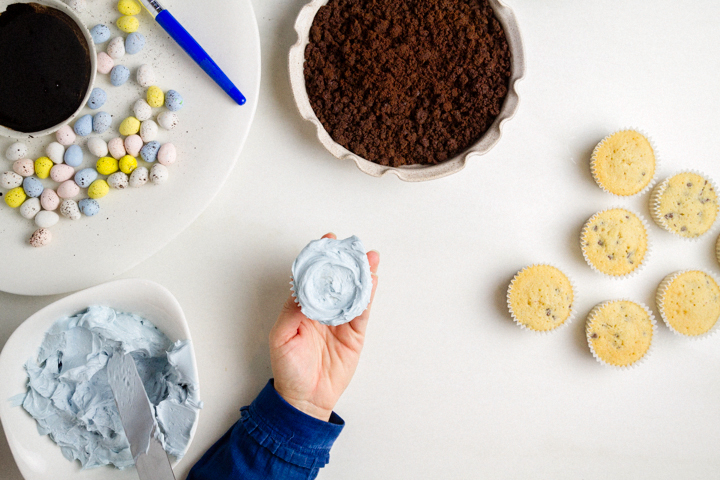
(7, 132)
(413, 173)
(38, 457)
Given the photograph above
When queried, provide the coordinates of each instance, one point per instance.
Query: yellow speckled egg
(15, 197)
(107, 166)
(129, 126)
(128, 163)
(128, 24)
(43, 165)
(98, 189)
(155, 97)
(128, 7)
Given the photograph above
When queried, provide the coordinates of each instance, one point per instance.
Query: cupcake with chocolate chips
(685, 204)
(624, 163)
(620, 332)
(541, 298)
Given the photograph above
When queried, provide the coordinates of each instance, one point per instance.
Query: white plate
(38, 457)
(135, 223)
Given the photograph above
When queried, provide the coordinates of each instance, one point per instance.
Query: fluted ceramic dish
(410, 173)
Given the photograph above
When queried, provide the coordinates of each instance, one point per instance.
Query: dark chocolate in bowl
(45, 67)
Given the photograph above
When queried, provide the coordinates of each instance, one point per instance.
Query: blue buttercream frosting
(332, 282)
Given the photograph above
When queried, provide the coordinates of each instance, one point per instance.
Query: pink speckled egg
(133, 145)
(167, 154)
(24, 167)
(49, 199)
(68, 189)
(116, 147)
(41, 237)
(65, 135)
(105, 63)
(62, 172)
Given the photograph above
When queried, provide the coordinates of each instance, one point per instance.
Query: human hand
(313, 363)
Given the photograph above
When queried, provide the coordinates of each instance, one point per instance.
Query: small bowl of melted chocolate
(47, 67)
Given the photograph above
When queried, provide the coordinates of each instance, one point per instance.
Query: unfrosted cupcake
(620, 332)
(624, 163)
(541, 298)
(689, 302)
(615, 242)
(685, 204)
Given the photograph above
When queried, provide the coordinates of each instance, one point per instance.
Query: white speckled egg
(116, 48)
(30, 208)
(97, 146)
(116, 147)
(159, 174)
(145, 76)
(10, 180)
(142, 110)
(16, 151)
(46, 219)
(24, 167)
(118, 180)
(41, 237)
(167, 154)
(69, 209)
(55, 152)
(133, 145)
(148, 131)
(168, 120)
(139, 177)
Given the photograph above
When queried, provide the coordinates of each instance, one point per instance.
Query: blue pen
(192, 48)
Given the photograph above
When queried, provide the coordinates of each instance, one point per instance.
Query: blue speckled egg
(119, 75)
(102, 122)
(97, 99)
(33, 187)
(149, 151)
(100, 33)
(173, 101)
(83, 126)
(134, 43)
(73, 156)
(85, 177)
(89, 207)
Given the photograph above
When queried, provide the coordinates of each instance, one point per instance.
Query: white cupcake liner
(642, 359)
(662, 289)
(573, 311)
(642, 264)
(655, 205)
(653, 180)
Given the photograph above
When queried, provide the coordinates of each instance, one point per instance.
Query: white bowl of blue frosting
(38, 457)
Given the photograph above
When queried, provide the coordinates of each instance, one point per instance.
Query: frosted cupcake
(689, 302)
(615, 242)
(541, 298)
(624, 163)
(685, 204)
(620, 332)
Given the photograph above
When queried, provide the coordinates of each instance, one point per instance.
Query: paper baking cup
(573, 312)
(655, 152)
(655, 205)
(662, 289)
(642, 359)
(642, 264)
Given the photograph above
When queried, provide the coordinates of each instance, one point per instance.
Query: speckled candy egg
(173, 100)
(97, 99)
(46, 219)
(142, 110)
(73, 156)
(155, 97)
(83, 126)
(100, 33)
(49, 200)
(85, 177)
(145, 76)
(128, 23)
(129, 126)
(15, 197)
(30, 208)
(133, 145)
(167, 154)
(68, 189)
(134, 43)
(89, 207)
(24, 167)
(116, 147)
(42, 236)
(148, 131)
(97, 146)
(102, 122)
(10, 180)
(55, 152)
(149, 152)
(159, 174)
(98, 189)
(116, 48)
(43, 165)
(33, 187)
(139, 177)
(61, 173)
(16, 151)
(107, 166)
(119, 75)
(128, 163)
(128, 7)
(168, 120)
(118, 180)
(69, 209)
(105, 63)
(65, 135)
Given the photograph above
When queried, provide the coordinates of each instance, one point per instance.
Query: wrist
(306, 406)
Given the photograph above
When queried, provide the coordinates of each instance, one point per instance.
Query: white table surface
(448, 386)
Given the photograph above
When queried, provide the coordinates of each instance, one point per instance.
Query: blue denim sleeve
(272, 440)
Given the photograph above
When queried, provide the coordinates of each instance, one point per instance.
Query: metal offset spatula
(136, 415)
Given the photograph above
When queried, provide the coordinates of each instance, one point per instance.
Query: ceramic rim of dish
(596, 309)
(656, 197)
(662, 290)
(648, 250)
(717, 249)
(652, 181)
(10, 133)
(409, 173)
(573, 311)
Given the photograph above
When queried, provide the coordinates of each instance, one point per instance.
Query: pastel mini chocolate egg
(128, 163)
(85, 177)
(128, 7)
(167, 154)
(128, 23)
(24, 167)
(142, 110)
(83, 126)
(89, 207)
(119, 75)
(129, 126)
(159, 174)
(68, 189)
(61, 173)
(107, 166)
(10, 180)
(149, 152)
(168, 120)
(46, 219)
(98, 189)
(118, 180)
(100, 33)
(155, 97)
(73, 156)
(69, 209)
(133, 145)
(97, 99)
(116, 48)
(33, 187)
(42, 236)
(97, 146)
(55, 152)
(16, 151)
(77, 5)
(105, 63)
(43, 165)
(15, 197)
(139, 177)
(173, 101)
(102, 122)
(148, 130)
(145, 76)
(65, 135)
(116, 147)
(134, 43)
(30, 208)
(49, 200)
